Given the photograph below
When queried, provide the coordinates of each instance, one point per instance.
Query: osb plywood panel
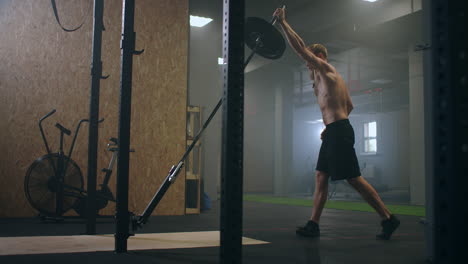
(44, 67)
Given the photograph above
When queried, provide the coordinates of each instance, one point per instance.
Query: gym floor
(346, 237)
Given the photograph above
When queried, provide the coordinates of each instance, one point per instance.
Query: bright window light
(370, 137)
(197, 21)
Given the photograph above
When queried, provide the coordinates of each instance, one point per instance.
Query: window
(370, 137)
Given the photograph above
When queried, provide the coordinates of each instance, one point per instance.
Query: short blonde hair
(319, 48)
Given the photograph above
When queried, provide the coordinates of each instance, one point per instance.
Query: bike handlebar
(46, 116)
(76, 134)
(42, 131)
(63, 129)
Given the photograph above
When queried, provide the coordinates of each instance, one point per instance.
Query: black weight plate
(264, 38)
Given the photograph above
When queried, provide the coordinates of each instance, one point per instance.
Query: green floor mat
(340, 205)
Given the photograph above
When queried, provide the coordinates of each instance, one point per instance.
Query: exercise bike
(54, 183)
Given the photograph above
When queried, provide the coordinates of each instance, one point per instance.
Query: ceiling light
(371, 1)
(221, 61)
(197, 21)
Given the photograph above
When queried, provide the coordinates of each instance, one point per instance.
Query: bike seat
(64, 130)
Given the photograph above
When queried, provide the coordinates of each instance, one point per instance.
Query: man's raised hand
(280, 13)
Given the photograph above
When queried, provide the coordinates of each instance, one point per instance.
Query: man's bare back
(331, 91)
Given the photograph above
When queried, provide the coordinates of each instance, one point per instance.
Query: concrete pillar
(278, 186)
(283, 139)
(416, 126)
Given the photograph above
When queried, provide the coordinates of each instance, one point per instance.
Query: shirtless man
(337, 158)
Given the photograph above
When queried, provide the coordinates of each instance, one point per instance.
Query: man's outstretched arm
(296, 41)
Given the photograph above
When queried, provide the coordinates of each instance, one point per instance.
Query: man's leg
(320, 195)
(311, 229)
(389, 223)
(370, 195)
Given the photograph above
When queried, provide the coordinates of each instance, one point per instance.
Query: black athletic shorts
(337, 156)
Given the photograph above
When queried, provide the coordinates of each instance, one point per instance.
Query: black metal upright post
(233, 126)
(449, 91)
(428, 133)
(96, 75)
(127, 51)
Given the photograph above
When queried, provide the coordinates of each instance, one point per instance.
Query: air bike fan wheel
(40, 184)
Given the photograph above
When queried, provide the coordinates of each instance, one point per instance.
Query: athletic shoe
(388, 227)
(311, 229)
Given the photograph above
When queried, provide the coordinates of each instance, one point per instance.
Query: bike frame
(63, 160)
